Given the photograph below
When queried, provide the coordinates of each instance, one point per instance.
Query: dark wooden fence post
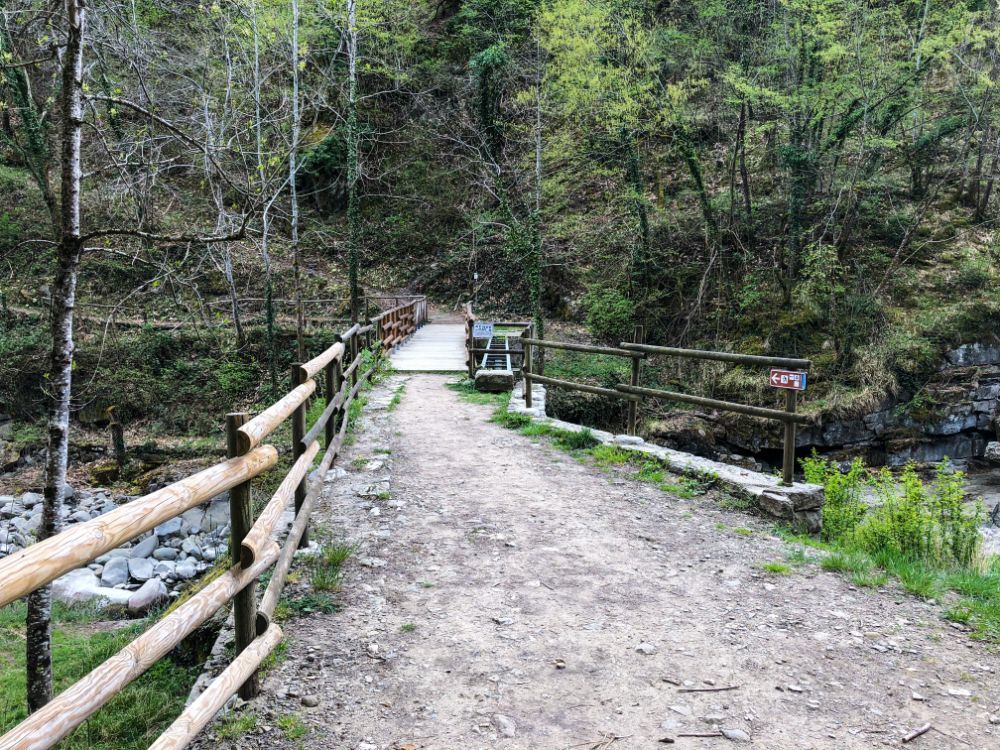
(240, 522)
(117, 436)
(788, 469)
(298, 432)
(633, 406)
(334, 381)
(526, 371)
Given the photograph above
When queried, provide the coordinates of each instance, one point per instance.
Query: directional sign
(793, 380)
(482, 330)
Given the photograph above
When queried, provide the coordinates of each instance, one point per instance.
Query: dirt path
(508, 596)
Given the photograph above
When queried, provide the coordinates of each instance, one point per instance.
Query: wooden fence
(636, 351)
(252, 545)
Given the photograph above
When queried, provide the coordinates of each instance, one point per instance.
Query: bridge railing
(472, 350)
(634, 393)
(395, 325)
(252, 545)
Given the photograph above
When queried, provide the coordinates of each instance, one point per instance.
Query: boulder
(169, 527)
(494, 381)
(151, 593)
(83, 585)
(115, 572)
(992, 452)
(140, 568)
(145, 547)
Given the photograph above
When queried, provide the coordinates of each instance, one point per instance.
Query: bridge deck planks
(436, 347)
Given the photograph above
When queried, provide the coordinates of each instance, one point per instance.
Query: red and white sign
(793, 380)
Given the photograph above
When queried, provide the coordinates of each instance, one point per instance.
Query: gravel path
(509, 596)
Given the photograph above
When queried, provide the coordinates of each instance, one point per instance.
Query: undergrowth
(923, 534)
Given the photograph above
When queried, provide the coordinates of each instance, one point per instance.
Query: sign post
(789, 381)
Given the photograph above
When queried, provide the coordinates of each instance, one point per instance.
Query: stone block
(494, 381)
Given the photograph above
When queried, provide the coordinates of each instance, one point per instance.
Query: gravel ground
(508, 596)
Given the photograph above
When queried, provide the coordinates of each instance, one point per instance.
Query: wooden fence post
(298, 432)
(633, 406)
(526, 373)
(117, 436)
(240, 522)
(334, 381)
(354, 356)
(788, 468)
(470, 344)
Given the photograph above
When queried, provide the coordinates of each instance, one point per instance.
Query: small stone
(504, 725)
(310, 701)
(145, 547)
(917, 697)
(165, 553)
(140, 568)
(646, 649)
(959, 692)
(190, 546)
(682, 710)
(151, 593)
(185, 569)
(736, 735)
(79, 516)
(115, 572)
(168, 527)
(995, 720)
(30, 499)
(371, 562)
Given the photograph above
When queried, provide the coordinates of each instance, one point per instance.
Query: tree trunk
(293, 167)
(353, 207)
(535, 269)
(38, 641)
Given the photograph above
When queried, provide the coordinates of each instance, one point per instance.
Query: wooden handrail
(739, 359)
(268, 420)
(260, 533)
(43, 562)
(70, 708)
(753, 411)
(196, 716)
(314, 365)
(587, 348)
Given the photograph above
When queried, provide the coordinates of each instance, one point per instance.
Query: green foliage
(843, 507)
(609, 314)
(133, 718)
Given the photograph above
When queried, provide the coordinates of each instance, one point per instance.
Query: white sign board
(482, 330)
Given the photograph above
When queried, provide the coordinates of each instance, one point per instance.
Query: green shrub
(609, 314)
(923, 523)
(843, 508)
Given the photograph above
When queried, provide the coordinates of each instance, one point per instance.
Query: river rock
(190, 547)
(151, 593)
(79, 516)
(992, 452)
(504, 725)
(186, 569)
(82, 585)
(30, 499)
(165, 553)
(140, 568)
(145, 547)
(165, 569)
(115, 572)
(167, 528)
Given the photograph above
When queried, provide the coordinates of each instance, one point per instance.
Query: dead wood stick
(917, 732)
(707, 689)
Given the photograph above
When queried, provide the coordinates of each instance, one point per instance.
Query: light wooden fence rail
(252, 544)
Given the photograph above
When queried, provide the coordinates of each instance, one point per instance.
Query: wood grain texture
(198, 714)
(314, 365)
(260, 534)
(75, 704)
(41, 563)
(258, 428)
